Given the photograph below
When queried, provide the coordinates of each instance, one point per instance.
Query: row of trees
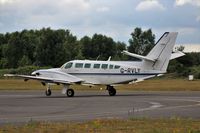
(47, 47)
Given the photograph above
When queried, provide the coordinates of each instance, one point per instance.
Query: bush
(3, 63)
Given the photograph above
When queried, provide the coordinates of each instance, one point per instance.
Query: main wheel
(70, 92)
(112, 92)
(48, 92)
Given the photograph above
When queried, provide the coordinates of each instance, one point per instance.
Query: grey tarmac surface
(25, 106)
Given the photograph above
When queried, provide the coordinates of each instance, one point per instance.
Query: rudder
(161, 52)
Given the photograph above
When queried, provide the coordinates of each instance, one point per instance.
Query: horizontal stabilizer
(177, 54)
(138, 56)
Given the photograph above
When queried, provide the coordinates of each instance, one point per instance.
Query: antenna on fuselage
(98, 57)
(109, 58)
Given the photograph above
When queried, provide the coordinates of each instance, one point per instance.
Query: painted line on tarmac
(162, 107)
(154, 105)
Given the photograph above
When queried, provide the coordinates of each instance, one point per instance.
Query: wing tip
(9, 75)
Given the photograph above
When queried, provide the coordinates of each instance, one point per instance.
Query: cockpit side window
(68, 65)
(79, 65)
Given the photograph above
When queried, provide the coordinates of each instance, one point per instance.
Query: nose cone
(35, 73)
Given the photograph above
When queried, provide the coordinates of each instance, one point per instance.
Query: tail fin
(162, 51)
(159, 57)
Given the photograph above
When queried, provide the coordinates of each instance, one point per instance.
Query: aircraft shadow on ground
(93, 96)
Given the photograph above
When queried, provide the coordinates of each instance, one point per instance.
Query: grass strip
(174, 125)
(148, 85)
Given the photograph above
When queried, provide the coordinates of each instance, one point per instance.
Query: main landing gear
(70, 92)
(111, 90)
(66, 90)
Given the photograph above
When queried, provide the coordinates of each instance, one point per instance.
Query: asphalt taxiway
(25, 106)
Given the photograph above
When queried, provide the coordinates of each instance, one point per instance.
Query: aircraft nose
(35, 73)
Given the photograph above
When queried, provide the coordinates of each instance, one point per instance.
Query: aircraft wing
(62, 79)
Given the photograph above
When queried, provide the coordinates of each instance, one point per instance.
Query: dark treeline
(188, 64)
(47, 47)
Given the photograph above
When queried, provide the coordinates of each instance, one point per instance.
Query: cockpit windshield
(67, 65)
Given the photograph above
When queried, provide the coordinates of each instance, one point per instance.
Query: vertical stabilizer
(162, 51)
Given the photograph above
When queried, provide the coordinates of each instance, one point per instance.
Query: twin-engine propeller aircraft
(109, 73)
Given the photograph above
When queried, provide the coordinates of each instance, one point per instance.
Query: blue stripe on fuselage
(120, 74)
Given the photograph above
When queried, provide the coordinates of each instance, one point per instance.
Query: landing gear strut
(48, 91)
(69, 92)
(111, 90)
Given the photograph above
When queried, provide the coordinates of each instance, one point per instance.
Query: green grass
(109, 126)
(165, 85)
(147, 85)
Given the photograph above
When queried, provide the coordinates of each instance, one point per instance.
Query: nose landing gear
(48, 91)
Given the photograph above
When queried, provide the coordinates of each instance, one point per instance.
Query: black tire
(112, 92)
(70, 92)
(48, 92)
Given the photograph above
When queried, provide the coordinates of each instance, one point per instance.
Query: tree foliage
(100, 46)
(186, 65)
(141, 42)
(47, 47)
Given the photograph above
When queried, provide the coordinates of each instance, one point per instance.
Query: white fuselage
(114, 72)
(107, 72)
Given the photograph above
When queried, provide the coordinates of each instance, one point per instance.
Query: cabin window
(111, 67)
(117, 67)
(87, 65)
(68, 65)
(79, 65)
(104, 66)
(96, 66)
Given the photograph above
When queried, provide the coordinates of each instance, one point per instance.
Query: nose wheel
(111, 90)
(48, 91)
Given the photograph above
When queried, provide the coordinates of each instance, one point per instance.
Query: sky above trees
(114, 18)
